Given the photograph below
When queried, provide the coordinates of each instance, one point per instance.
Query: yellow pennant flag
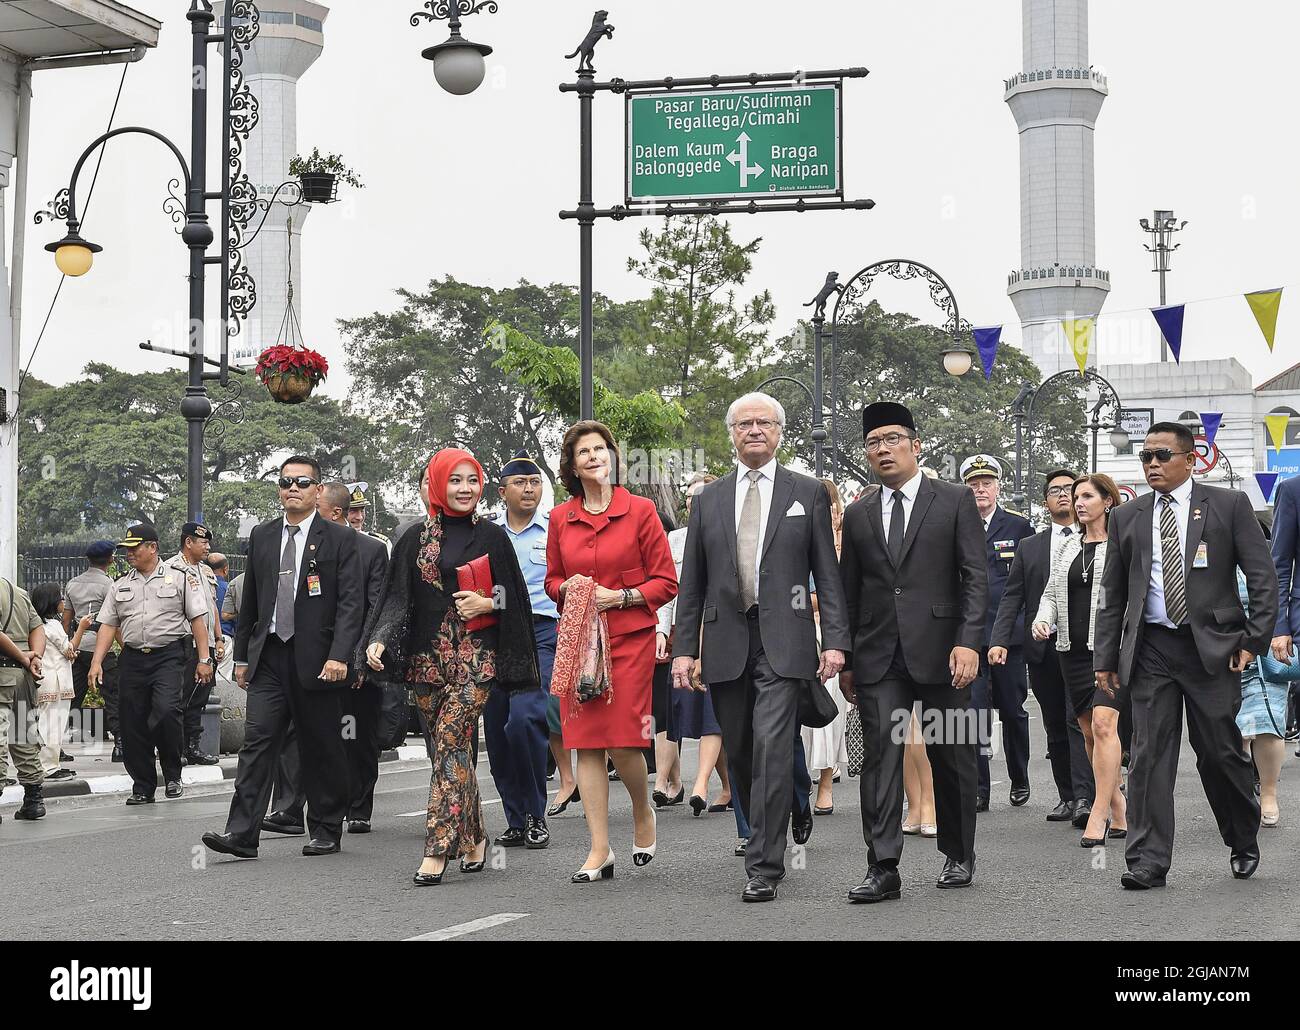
(1264, 304)
(1079, 333)
(1277, 429)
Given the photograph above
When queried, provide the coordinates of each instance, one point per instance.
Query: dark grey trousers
(758, 714)
(1168, 674)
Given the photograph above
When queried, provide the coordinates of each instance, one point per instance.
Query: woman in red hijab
(419, 633)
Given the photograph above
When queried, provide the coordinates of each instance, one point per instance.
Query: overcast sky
(1198, 120)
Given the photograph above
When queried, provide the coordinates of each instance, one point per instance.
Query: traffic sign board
(1127, 493)
(1206, 456)
(742, 142)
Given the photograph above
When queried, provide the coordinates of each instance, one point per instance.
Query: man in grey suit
(755, 536)
(1170, 630)
(916, 583)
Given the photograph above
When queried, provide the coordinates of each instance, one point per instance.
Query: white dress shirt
(908, 490)
(1155, 609)
(766, 481)
(299, 545)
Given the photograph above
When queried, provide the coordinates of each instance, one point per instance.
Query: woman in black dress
(1070, 604)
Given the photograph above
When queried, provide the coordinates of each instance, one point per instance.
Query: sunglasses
(301, 482)
(1160, 454)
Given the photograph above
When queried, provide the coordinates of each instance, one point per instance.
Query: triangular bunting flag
(1170, 321)
(986, 342)
(1211, 420)
(1277, 429)
(1079, 332)
(1264, 304)
(1267, 481)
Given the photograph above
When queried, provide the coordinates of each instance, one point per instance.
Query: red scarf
(582, 671)
(441, 466)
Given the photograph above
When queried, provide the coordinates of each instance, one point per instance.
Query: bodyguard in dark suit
(299, 623)
(361, 703)
(1003, 686)
(1022, 593)
(916, 584)
(755, 536)
(1171, 631)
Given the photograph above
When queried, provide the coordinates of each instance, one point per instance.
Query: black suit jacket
(326, 627)
(1002, 540)
(1020, 597)
(934, 600)
(1225, 522)
(794, 546)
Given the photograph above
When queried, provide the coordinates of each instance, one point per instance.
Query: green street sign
(753, 142)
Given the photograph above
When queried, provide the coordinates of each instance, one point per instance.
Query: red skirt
(625, 720)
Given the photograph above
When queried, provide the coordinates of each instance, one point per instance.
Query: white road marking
(473, 926)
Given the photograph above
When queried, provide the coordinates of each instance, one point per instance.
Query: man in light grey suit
(755, 536)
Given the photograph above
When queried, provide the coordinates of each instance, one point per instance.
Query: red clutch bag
(477, 576)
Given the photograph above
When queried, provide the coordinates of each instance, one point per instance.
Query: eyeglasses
(765, 424)
(1060, 491)
(874, 443)
(301, 482)
(1160, 454)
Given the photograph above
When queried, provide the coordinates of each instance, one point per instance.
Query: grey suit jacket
(937, 596)
(708, 596)
(1225, 522)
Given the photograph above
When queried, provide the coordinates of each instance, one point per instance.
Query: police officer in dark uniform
(154, 607)
(1004, 687)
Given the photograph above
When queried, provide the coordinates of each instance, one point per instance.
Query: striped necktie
(1171, 557)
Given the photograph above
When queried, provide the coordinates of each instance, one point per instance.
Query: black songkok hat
(885, 413)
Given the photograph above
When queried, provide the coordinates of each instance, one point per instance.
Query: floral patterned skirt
(451, 684)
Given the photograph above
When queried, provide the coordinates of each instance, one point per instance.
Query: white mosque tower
(289, 41)
(1055, 101)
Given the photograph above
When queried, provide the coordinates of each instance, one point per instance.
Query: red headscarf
(440, 469)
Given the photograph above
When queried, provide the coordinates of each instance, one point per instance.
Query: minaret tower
(290, 39)
(1055, 101)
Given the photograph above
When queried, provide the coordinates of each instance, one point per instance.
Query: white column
(9, 343)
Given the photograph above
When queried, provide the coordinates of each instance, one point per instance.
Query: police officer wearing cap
(1005, 686)
(154, 608)
(357, 506)
(514, 725)
(196, 543)
(85, 594)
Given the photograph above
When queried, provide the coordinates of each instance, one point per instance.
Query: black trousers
(1168, 676)
(276, 698)
(949, 729)
(195, 695)
(1003, 687)
(1071, 770)
(80, 671)
(149, 686)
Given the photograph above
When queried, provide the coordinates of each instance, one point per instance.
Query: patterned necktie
(284, 586)
(747, 540)
(896, 528)
(1171, 557)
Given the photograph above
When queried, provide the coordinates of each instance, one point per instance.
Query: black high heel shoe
(698, 804)
(1096, 842)
(681, 794)
(559, 807)
(474, 867)
(428, 879)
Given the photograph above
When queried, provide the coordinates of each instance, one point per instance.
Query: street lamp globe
(73, 255)
(458, 64)
(957, 361)
(1119, 438)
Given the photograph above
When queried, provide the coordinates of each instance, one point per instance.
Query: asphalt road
(94, 869)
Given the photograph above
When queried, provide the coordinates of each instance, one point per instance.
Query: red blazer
(629, 550)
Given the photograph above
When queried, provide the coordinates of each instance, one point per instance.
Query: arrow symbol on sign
(741, 157)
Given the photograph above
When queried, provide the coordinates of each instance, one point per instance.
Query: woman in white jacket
(1069, 604)
(54, 691)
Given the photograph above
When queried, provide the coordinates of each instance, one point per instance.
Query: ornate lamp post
(458, 63)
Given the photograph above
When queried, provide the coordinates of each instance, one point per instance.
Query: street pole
(586, 221)
(818, 425)
(1018, 413)
(1161, 228)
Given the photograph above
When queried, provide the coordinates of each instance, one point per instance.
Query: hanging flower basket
(291, 373)
(319, 187)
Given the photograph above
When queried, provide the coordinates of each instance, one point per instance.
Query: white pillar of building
(1055, 101)
(290, 39)
(11, 82)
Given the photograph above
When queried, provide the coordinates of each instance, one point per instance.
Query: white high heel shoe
(642, 856)
(604, 871)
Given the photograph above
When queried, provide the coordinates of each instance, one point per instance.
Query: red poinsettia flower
(282, 359)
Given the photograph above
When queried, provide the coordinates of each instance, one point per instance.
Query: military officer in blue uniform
(514, 725)
(1003, 687)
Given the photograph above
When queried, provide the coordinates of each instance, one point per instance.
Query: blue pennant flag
(986, 342)
(1210, 420)
(1170, 321)
(1267, 481)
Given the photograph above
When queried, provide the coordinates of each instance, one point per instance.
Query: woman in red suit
(615, 538)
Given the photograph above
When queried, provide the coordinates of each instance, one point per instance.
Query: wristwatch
(205, 661)
(627, 598)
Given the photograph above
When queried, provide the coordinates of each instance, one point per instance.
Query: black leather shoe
(65, 757)
(536, 835)
(881, 884)
(1062, 813)
(758, 889)
(1082, 809)
(140, 799)
(956, 874)
(1135, 880)
(173, 789)
(117, 752)
(1019, 795)
(512, 838)
(61, 774)
(278, 823)
(981, 804)
(1245, 862)
(801, 828)
(742, 846)
(225, 844)
(679, 798)
(358, 826)
(427, 879)
(315, 846)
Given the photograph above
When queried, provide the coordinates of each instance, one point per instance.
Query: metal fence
(58, 563)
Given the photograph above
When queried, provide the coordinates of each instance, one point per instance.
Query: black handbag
(816, 706)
